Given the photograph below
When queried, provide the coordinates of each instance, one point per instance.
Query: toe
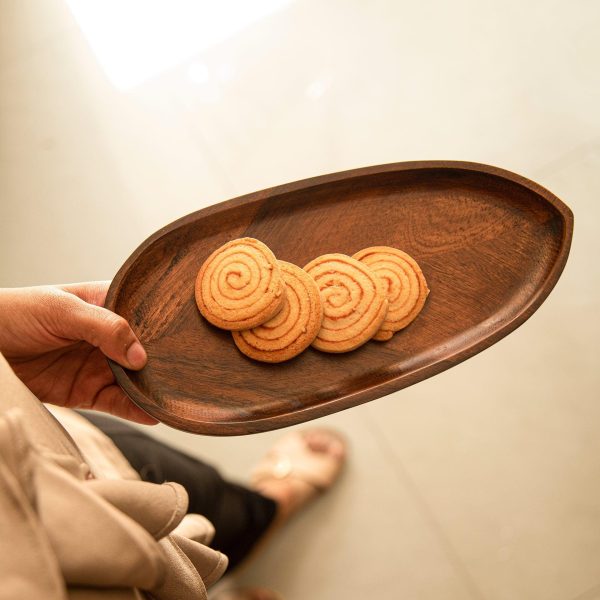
(323, 441)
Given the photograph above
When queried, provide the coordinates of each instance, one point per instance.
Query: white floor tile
(503, 449)
(27, 26)
(363, 539)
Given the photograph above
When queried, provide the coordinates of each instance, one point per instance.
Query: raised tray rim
(247, 426)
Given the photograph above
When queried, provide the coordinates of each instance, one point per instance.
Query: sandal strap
(281, 466)
(291, 457)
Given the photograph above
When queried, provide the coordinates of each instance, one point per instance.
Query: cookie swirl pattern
(293, 328)
(354, 302)
(405, 286)
(240, 285)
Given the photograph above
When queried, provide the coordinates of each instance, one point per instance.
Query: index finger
(92, 292)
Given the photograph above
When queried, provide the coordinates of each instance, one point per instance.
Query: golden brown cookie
(405, 286)
(240, 285)
(354, 302)
(293, 328)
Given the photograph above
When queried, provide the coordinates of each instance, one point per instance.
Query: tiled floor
(483, 482)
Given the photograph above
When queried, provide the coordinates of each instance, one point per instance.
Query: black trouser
(240, 516)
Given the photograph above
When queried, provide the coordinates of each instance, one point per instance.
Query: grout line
(566, 158)
(447, 546)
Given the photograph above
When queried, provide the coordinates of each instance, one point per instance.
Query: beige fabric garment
(28, 564)
(89, 529)
(76, 593)
(98, 451)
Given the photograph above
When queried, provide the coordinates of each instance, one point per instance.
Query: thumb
(105, 330)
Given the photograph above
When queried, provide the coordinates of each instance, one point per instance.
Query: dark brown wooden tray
(491, 244)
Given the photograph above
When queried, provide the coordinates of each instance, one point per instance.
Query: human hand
(56, 339)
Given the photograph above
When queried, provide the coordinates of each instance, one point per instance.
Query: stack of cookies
(275, 310)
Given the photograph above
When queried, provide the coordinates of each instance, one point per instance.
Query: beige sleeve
(69, 534)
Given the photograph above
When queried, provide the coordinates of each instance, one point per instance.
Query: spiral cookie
(293, 328)
(404, 283)
(240, 285)
(354, 302)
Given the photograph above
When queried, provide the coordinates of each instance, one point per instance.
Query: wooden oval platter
(491, 245)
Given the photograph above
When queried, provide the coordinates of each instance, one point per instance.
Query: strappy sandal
(313, 458)
(300, 466)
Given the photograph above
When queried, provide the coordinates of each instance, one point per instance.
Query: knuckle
(57, 310)
(118, 327)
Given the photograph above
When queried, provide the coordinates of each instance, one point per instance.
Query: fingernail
(136, 356)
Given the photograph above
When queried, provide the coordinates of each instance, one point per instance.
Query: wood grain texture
(491, 245)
